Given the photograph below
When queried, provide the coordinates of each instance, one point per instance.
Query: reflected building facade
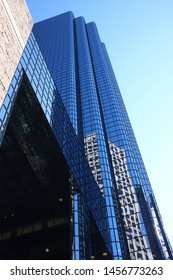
(83, 157)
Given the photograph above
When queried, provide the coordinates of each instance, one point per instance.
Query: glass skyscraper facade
(112, 212)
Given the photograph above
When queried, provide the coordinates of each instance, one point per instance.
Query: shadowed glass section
(35, 186)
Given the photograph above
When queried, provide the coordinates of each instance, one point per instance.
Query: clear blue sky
(139, 38)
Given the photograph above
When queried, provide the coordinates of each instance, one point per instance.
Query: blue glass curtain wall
(33, 64)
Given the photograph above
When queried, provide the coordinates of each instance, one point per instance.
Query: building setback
(73, 182)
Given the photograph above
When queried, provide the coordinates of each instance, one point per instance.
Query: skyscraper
(93, 101)
(65, 129)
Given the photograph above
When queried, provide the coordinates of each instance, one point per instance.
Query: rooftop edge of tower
(80, 18)
(69, 13)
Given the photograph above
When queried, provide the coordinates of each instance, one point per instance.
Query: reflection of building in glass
(159, 234)
(55, 202)
(92, 154)
(137, 243)
(130, 208)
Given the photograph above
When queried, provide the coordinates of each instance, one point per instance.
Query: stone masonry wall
(15, 26)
